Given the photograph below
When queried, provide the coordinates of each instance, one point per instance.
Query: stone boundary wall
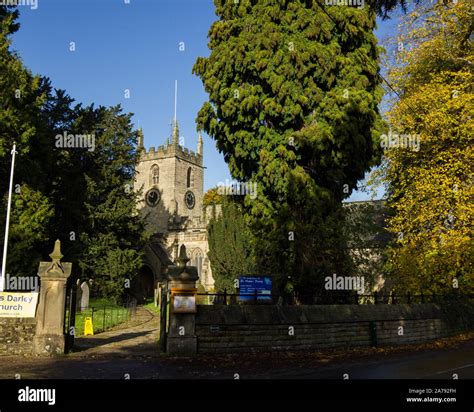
(254, 328)
(16, 336)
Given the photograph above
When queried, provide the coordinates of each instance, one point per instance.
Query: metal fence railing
(353, 298)
(104, 317)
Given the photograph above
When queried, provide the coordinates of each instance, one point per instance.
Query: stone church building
(170, 179)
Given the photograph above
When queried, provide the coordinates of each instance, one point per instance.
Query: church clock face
(189, 199)
(152, 197)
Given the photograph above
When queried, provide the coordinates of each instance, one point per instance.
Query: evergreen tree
(230, 248)
(384, 7)
(83, 197)
(293, 93)
(112, 231)
(21, 99)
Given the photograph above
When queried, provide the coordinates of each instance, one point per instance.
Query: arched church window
(154, 175)
(197, 261)
(190, 179)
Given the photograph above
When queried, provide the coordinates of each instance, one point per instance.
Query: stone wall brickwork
(182, 166)
(158, 216)
(254, 328)
(16, 336)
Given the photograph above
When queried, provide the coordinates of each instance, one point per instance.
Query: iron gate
(164, 316)
(70, 314)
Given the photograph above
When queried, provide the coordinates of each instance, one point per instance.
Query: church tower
(171, 178)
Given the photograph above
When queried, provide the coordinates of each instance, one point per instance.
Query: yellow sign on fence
(18, 305)
(88, 327)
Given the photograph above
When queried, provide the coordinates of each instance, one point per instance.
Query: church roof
(158, 250)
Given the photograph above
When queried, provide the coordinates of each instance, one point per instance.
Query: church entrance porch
(142, 286)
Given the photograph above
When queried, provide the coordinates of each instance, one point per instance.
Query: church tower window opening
(197, 261)
(154, 175)
(190, 178)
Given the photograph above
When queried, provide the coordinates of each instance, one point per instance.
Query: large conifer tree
(83, 197)
(293, 93)
(21, 99)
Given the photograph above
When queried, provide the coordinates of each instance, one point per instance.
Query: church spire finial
(199, 147)
(175, 98)
(140, 138)
(175, 136)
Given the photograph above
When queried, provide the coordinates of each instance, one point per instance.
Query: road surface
(133, 352)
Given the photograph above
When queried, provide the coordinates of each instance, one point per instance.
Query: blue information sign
(261, 284)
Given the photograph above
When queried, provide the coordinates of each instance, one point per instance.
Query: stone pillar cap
(55, 269)
(56, 254)
(181, 272)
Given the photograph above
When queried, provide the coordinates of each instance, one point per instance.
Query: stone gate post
(181, 340)
(49, 338)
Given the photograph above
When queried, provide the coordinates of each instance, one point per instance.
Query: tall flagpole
(175, 99)
(7, 225)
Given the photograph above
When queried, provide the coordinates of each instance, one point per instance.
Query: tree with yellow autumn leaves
(428, 162)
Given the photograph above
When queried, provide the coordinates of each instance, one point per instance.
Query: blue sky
(133, 46)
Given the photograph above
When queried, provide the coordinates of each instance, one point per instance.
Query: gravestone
(85, 296)
(78, 295)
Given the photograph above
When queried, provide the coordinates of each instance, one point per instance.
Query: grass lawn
(150, 304)
(104, 313)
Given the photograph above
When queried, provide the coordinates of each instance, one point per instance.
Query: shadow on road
(84, 343)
